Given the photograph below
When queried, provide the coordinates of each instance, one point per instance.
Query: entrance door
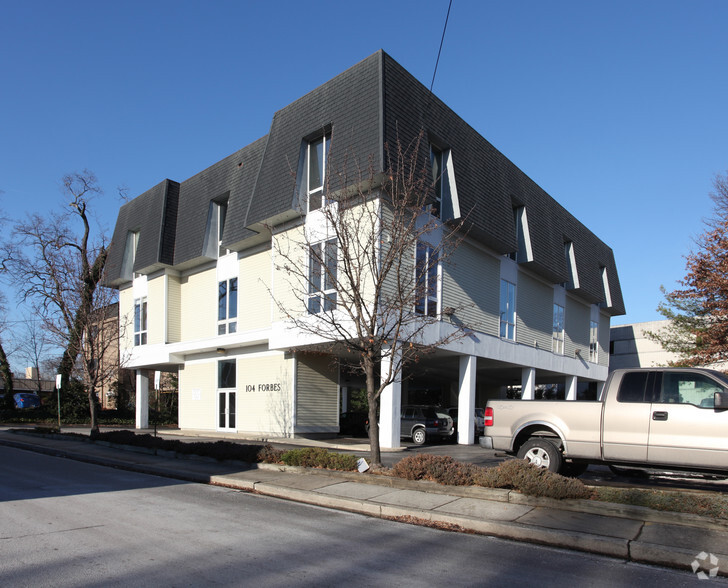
(226, 409)
(226, 399)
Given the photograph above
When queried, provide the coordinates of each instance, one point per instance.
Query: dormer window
(445, 196)
(523, 236)
(216, 216)
(315, 171)
(607, 303)
(130, 250)
(573, 282)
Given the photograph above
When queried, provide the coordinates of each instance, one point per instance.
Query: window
(594, 341)
(426, 267)
(688, 388)
(558, 331)
(140, 321)
(523, 237)
(605, 289)
(226, 374)
(315, 171)
(217, 213)
(221, 215)
(130, 250)
(508, 310)
(322, 277)
(445, 194)
(573, 282)
(227, 306)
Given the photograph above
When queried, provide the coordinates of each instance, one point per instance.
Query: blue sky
(617, 109)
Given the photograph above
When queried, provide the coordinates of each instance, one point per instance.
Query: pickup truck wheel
(542, 453)
(419, 436)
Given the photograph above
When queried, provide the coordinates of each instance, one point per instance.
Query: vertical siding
(317, 394)
(603, 339)
(155, 311)
(534, 312)
(577, 317)
(174, 310)
(288, 288)
(254, 297)
(471, 285)
(199, 305)
(198, 413)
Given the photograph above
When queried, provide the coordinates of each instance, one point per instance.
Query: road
(67, 523)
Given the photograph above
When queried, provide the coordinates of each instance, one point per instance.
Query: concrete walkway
(632, 533)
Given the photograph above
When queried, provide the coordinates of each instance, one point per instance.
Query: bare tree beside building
(363, 270)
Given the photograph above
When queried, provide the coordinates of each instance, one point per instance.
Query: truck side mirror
(721, 400)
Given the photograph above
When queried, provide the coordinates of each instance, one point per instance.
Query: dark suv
(422, 422)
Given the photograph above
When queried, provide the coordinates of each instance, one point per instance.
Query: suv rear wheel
(419, 436)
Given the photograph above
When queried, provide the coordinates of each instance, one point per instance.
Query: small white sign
(196, 394)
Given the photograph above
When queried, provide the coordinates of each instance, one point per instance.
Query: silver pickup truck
(667, 418)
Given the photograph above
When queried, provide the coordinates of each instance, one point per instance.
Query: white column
(142, 400)
(528, 383)
(571, 387)
(390, 405)
(466, 400)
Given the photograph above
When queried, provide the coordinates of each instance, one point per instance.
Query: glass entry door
(226, 409)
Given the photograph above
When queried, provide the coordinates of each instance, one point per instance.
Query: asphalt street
(68, 523)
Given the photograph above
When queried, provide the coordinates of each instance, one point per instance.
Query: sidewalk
(631, 533)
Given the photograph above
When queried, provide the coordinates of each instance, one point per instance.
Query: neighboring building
(195, 266)
(629, 346)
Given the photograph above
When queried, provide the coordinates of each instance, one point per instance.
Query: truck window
(632, 387)
(688, 388)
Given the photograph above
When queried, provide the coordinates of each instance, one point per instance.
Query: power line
(439, 51)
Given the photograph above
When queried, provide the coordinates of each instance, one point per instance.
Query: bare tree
(362, 271)
(32, 347)
(58, 268)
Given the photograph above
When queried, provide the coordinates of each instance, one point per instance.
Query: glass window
(688, 388)
(558, 330)
(226, 373)
(436, 160)
(594, 341)
(426, 264)
(227, 306)
(632, 387)
(317, 153)
(508, 310)
(140, 321)
(221, 216)
(322, 276)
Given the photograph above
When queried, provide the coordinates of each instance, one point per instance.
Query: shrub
(436, 468)
(526, 478)
(318, 457)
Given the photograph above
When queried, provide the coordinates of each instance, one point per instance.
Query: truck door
(686, 429)
(626, 417)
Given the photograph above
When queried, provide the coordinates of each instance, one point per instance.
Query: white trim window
(445, 193)
(427, 272)
(315, 171)
(508, 310)
(322, 277)
(140, 321)
(558, 330)
(593, 341)
(227, 306)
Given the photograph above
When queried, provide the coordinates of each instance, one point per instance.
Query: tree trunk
(93, 404)
(7, 376)
(373, 400)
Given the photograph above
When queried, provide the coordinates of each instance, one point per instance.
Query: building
(629, 346)
(195, 265)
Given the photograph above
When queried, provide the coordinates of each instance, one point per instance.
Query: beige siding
(197, 395)
(264, 395)
(199, 305)
(254, 297)
(126, 318)
(577, 318)
(471, 285)
(317, 394)
(155, 311)
(289, 287)
(174, 312)
(534, 312)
